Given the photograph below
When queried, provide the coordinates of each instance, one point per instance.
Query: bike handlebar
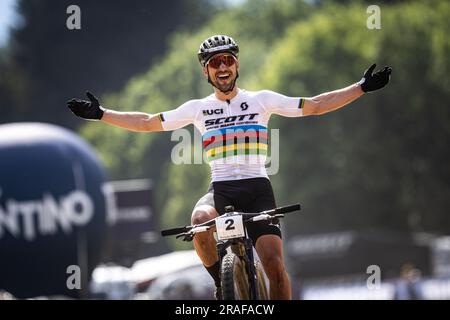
(286, 209)
(272, 212)
(172, 232)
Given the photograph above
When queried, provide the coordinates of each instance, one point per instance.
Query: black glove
(90, 110)
(372, 82)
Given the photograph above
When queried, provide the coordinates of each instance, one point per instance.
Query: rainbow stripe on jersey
(236, 140)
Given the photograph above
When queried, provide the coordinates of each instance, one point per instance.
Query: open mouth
(223, 76)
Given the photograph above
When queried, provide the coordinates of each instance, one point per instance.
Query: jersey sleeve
(179, 117)
(276, 103)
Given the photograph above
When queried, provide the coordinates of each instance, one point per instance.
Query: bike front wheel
(234, 278)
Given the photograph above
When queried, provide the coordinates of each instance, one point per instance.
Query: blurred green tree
(383, 161)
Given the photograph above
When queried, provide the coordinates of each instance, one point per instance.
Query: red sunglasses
(226, 59)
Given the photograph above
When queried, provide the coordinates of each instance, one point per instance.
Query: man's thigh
(215, 200)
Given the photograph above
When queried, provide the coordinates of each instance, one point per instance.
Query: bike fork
(221, 250)
(251, 270)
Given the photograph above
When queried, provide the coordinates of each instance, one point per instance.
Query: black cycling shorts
(247, 195)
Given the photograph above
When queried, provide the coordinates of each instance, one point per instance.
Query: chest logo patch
(211, 112)
(244, 106)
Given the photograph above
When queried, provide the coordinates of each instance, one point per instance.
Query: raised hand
(90, 110)
(375, 81)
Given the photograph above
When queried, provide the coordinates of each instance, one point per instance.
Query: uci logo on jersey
(211, 112)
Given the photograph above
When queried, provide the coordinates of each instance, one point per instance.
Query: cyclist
(233, 123)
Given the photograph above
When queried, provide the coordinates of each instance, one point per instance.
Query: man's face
(222, 69)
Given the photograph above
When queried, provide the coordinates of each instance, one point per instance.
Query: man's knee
(202, 214)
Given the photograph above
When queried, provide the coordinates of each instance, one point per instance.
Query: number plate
(229, 227)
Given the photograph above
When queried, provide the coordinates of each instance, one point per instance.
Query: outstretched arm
(133, 121)
(333, 100)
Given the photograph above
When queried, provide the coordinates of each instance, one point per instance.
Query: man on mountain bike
(233, 123)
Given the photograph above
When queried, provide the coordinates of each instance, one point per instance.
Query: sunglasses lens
(229, 61)
(217, 61)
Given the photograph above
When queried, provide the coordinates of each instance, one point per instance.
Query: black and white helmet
(216, 44)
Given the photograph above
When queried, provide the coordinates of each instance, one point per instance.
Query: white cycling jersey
(234, 132)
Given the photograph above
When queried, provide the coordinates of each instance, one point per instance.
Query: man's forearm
(332, 100)
(133, 121)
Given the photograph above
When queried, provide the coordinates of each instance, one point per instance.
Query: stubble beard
(225, 87)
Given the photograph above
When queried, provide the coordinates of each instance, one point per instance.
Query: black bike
(241, 277)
